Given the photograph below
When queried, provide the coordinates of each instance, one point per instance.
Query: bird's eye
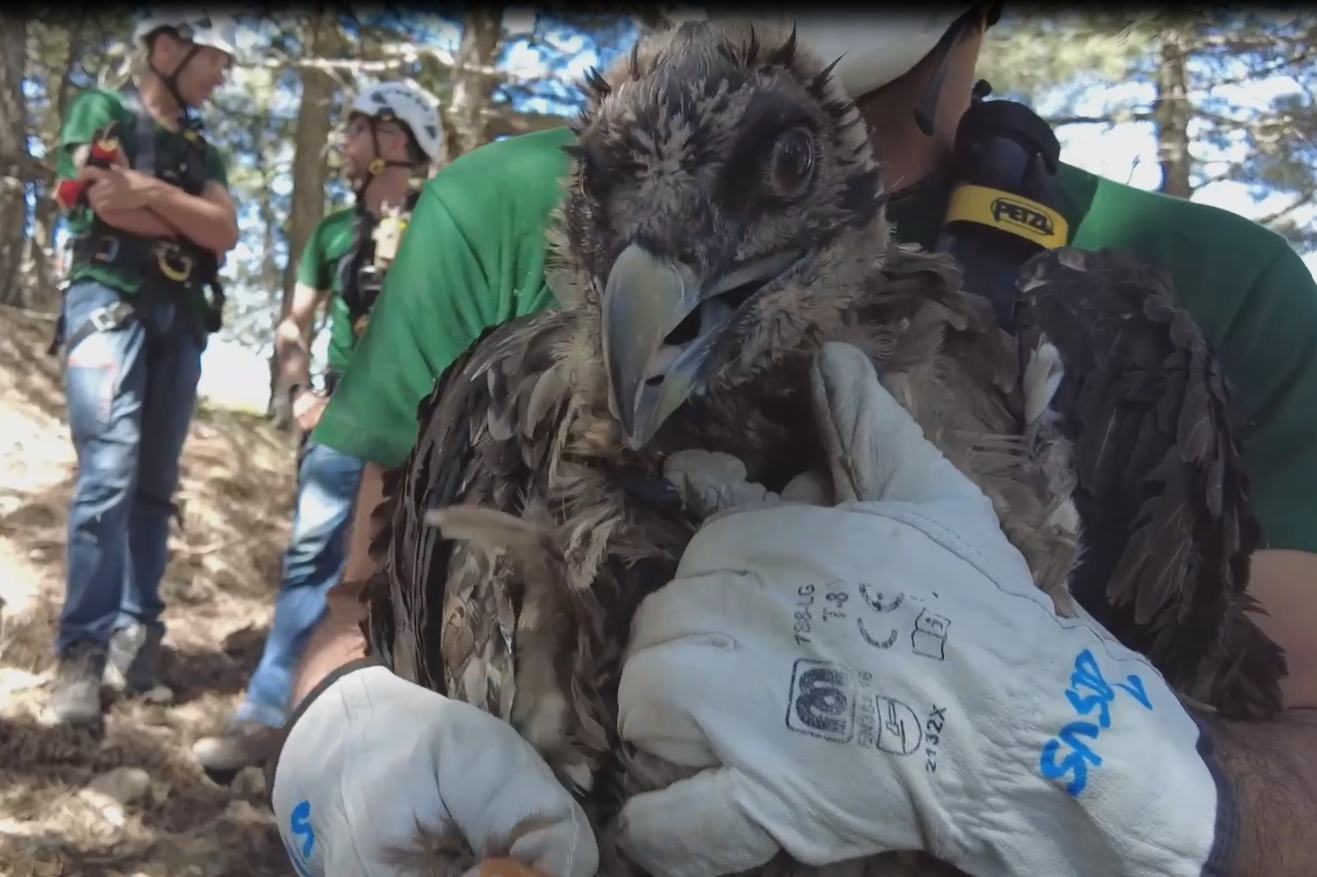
(791, 164)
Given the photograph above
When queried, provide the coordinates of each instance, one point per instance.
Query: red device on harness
(104, 151)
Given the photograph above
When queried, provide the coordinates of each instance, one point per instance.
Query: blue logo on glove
(299, 825)
(1088, 691)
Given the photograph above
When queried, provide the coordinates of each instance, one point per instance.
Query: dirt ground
(133, 803)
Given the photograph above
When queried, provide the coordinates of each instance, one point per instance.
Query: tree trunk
(45, 215)
(266, 143)
(473, 85)
(314, 124)
(1172, 112)
(14, 158)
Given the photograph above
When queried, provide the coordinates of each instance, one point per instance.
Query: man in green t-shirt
(393, 136)
(476, 257)
(151, 217)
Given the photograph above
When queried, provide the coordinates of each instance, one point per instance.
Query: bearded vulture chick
(723, 219)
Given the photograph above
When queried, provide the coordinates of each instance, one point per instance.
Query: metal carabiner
(178, 275)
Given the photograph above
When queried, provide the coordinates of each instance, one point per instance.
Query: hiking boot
(133, 667)
(244, 744)
(76, 696)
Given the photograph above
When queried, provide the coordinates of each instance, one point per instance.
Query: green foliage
(1059, 54)
(1250, 102)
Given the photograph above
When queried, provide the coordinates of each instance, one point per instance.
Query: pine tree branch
(1117, 117)
(502, 121)
(1304, 198)
(396, 58)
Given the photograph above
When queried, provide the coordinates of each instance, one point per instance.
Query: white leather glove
(373, 756)
(884, 675)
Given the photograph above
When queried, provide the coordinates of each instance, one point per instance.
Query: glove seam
(272, 764)
(350, 755)
(947, 539)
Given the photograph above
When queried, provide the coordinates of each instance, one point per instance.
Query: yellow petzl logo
(1006, 211)
(1013, 214)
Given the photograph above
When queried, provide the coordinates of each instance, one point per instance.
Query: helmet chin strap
(926, 106)
(377, 165)
(171, 81)
(925, 113)
(935, 184)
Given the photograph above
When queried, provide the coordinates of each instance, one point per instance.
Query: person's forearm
(293, 355)
(204, 222)
(142, 221)
(339, 638)
(336, 640)
(1273, 766)
(292, 338)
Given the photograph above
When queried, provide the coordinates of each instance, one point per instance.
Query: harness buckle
(108, 251)
(110, 317)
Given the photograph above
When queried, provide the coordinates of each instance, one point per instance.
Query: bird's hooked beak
(653, 369)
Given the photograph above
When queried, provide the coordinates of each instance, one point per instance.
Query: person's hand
(369, 758)
(883, 675)
(308, 405)
(116, 189)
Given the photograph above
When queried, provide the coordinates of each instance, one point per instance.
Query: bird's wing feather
(1168, 529)
(443, 613)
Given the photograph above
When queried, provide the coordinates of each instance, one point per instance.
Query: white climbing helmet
(875, 48)
(197, 26)
(413, 106)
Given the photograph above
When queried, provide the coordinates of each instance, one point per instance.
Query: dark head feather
(676, 152)
(673, 147)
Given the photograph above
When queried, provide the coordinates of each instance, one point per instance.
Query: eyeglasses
(360, 124)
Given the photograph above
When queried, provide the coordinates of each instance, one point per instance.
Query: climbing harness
(161, 263)
(374, 246)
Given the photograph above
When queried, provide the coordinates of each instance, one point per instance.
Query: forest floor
(134, 803)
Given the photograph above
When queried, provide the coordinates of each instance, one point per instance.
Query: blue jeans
(327, 484)
(130, 393)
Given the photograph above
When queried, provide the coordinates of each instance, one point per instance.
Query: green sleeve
(1277, 326)
(215, 169)
(436, 300)
(89, 112)
(311, 267)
